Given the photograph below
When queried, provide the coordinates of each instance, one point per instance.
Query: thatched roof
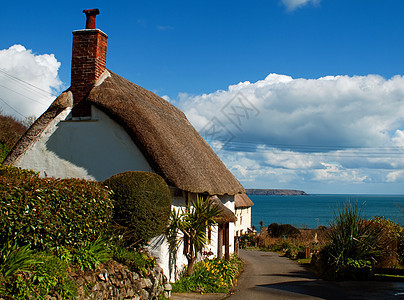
(242, 201)
(172, 146)
(226, 215)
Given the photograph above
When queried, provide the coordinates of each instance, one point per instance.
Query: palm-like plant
(14, 258)
(191, 224)
(352, 238)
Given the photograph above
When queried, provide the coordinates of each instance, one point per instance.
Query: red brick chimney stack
(88, 62)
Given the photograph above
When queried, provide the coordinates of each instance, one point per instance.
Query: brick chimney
(88, 62)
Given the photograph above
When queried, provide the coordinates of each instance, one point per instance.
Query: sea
(311, 211)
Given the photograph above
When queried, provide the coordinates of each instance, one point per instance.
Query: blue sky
(329, 119)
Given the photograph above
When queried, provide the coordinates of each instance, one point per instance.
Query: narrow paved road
(269, 276)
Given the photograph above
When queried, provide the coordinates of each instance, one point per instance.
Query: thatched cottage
(242, 204)
(104, 124)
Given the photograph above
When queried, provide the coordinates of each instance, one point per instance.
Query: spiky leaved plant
(191, 224)
(14, 258)
(352, 239)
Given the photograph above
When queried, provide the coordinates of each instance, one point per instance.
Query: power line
(24, 82)
(13, 108)
(314, 150)
(45, 104)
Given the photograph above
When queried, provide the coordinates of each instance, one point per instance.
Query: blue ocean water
(310, 211)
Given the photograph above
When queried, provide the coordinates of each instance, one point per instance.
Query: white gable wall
(95, 149)
(243, 220)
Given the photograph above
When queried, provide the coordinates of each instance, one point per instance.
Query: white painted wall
(228, 201)
(158, 247)
(95, 149)
(243, 220)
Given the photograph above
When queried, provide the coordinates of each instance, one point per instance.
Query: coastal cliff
(274, 192)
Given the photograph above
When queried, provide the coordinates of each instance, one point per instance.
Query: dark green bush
(142, 205)
(275, 230)
(47, 213)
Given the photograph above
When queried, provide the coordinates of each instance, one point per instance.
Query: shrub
(248, 240)
(392, 234)
(39, 275)
(287, 230)
(352, 242)
(211, 276)
(137, 261)
(51, 212)
(10, 130)
(90, 255)
(17, 173)
(14, 258)
(51, 276)
(142, 204)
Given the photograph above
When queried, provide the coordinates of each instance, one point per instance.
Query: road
(269, 276)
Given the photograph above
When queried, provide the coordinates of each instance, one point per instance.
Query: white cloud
(327, 113)
(166, 97)
(28, 81)
(283, 130)
(291, 5)
(395, 176)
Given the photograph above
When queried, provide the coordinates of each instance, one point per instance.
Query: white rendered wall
(158, 247)
(243, 220)
(94, 149)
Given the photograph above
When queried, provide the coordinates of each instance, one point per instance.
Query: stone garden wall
(115, 281)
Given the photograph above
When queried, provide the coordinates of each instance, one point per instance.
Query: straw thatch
(242, 201)
(172, 146)
(226, 215)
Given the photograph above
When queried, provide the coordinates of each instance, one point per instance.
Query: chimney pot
(91, 14)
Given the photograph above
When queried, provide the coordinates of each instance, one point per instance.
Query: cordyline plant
(191, 224)
(352, 238)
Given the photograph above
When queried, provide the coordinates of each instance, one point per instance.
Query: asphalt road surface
(269, 276)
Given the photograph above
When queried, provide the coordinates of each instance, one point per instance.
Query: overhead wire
(313, 150)
(23, 81)
(22, 84)
(13, 108)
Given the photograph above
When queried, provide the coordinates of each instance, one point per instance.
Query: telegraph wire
(23, 95)
(13, 108)
(24, 82)
(312, 150)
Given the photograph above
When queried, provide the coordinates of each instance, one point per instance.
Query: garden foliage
(45, 213)
(211, 276)
(10, 131)
(142, 204)
(353, 242)
(275, 230)
(137, 261)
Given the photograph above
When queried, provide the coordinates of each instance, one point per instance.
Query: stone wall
(115, 281)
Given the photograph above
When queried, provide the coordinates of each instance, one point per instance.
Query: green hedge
(51, 212)
(142, 204)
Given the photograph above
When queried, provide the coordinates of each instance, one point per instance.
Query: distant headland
(274, 192)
